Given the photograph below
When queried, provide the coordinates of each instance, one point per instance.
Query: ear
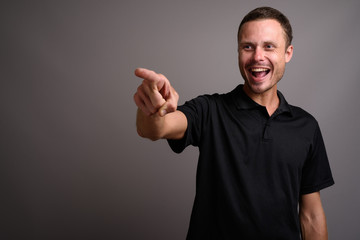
(288, 53)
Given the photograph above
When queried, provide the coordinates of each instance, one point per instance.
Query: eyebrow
(243, 43)
(263, 43)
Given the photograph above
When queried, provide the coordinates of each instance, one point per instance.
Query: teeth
(259, 69)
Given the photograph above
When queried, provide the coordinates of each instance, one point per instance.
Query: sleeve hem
(179, 145)
(311, 189)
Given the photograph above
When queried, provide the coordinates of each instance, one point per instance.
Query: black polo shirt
(252, 168)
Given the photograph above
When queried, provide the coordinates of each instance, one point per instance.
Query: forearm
(313, 226)
(171, 126)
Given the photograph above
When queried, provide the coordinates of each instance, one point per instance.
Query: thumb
(163, 110)
(166, 108)
(171, 103)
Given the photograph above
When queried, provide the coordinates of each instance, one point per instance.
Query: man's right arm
(157, 101)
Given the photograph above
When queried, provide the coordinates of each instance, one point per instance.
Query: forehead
(262, 30)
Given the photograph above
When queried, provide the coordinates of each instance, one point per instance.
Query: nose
(259, 54)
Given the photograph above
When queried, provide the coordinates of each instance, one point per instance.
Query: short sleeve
(316, 173)
(195, 111)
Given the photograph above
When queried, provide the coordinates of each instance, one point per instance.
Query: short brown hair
(269, 13)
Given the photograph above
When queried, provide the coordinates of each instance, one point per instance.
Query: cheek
(240, 62)
(243, 60)
(278, 61)
(242, 66)
(281, 62)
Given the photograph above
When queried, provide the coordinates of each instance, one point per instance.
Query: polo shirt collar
(284, 106)
(243, 101)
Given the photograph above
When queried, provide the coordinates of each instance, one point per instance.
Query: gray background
(72, 165)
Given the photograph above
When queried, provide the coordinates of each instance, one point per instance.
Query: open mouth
(259, 72)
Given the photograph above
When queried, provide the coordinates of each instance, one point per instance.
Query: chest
(250, 138)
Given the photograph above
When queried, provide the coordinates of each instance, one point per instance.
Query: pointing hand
(155, 94)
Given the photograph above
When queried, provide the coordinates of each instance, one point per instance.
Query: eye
(247, 47)
(269, 46)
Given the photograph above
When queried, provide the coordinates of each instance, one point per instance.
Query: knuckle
(139, 89)
(157, 104)
(162, 77)
(136, 97)
(152, 110)
(137, 100)
(174, 106)
(176, 95)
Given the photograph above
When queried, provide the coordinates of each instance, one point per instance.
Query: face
(262, 55)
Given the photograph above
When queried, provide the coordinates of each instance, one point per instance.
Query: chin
(259, 88)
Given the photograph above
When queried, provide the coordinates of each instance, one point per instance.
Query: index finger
(157, 82)
(146, 74)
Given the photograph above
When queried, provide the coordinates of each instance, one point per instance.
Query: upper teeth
(259, 69)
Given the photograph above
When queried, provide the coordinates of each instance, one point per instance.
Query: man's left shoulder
(300, 113)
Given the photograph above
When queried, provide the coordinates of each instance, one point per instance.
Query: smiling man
(262, 161)
(263, 52)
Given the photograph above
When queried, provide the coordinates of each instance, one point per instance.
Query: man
(262, 162)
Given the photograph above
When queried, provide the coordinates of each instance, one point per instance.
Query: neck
(268, 99)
